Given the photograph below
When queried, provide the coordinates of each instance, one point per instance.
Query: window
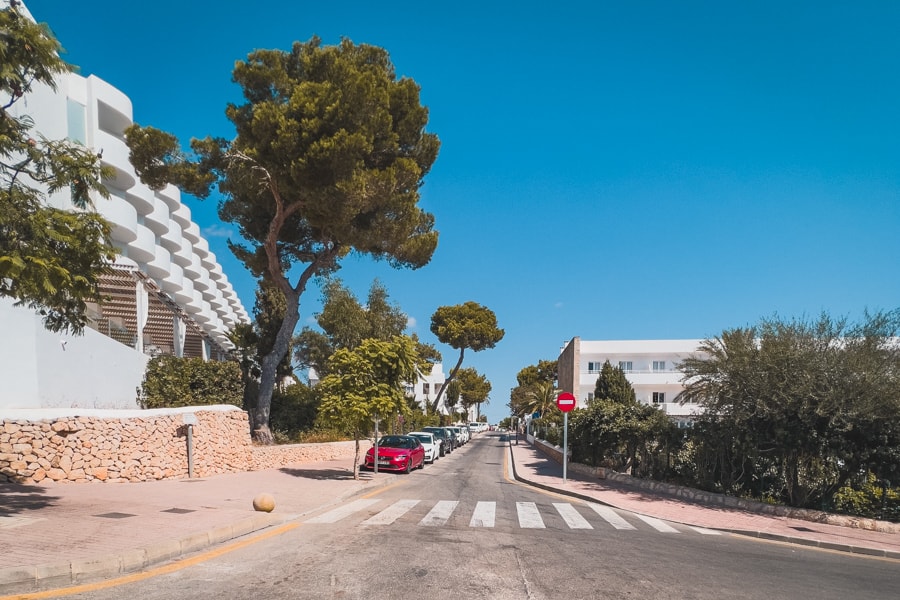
(425, 389)
(594, 367)
(590, 396)
(75, 121)
(659, 365)
(625, 365)
(659, 397)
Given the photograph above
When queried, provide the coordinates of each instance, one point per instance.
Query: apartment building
(166, 293)
(651, 366)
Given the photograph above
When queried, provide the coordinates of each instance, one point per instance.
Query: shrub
(171, 382)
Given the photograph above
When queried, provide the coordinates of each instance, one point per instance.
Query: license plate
(384, 463)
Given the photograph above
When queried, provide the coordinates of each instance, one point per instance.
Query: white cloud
(411, 322)
(217, 230)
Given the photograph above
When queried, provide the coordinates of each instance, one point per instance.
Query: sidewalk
(535, 468)
(57, 535)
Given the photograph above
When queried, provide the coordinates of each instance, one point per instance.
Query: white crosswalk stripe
(391, 513)
(660, 526)
(484, 515)
(440, 514)
(529, 516)
(340, 512)
(705, 531)
(612, 517)
(571, 516)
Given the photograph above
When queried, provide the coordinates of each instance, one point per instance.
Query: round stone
(264, 503)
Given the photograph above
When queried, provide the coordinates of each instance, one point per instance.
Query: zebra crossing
(484, 514)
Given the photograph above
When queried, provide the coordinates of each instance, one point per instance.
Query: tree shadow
(18, 498)
(323, 474)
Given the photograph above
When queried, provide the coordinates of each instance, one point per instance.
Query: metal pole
(565, 443)
(375, 463)
(190, 450)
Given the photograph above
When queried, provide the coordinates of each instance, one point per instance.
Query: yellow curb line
(163, 570)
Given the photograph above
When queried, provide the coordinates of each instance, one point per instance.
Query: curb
(833, 546)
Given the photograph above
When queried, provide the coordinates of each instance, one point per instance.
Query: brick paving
(55, 534)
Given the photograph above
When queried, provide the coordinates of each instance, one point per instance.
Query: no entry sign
(565, 401)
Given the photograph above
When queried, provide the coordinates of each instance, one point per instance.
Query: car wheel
(409, 465)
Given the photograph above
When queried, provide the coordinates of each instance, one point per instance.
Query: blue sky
(608, 169)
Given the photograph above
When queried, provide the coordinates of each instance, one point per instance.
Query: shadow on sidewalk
(15, 498)
(323, 474)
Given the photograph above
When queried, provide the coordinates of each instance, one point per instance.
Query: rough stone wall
(91, 448)
(143, 445)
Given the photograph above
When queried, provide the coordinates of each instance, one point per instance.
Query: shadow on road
(15, 498)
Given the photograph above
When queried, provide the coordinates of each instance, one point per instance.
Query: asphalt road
(462, 529)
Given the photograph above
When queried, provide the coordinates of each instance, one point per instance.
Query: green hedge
(171, 382)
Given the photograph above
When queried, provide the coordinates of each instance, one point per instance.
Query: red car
(397, 453)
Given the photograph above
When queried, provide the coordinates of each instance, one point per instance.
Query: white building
(167, 292)
(651, 366)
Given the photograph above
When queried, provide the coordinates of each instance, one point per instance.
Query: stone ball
(264, 503)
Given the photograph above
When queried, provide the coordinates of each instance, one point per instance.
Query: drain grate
(115, 515)
(179, 511)
(804, 529)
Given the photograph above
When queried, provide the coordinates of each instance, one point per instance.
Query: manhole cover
(115, 515)
(179, 511)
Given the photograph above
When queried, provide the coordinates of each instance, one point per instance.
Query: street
(462, 528)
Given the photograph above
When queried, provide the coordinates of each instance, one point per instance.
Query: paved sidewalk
(535, 468)
(56, 535)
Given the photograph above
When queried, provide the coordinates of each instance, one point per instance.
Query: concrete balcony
(192, 233)
(141, 197)
(143, 248)
(174, 280)
(158, 218)
(120, 214)
(171, 239)
(184, 253)
(161, 264)
(115, 155)
(171, 196)
(182, 215)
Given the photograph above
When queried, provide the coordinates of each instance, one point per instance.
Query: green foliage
(329, 157)
(345, 323)
(613, 385)
(50, 259)
(869, 498)
(294, 409)
(365, 383)
(521, 397)
(796, 409)
(473, 388)
(171, 382)
(468, 325)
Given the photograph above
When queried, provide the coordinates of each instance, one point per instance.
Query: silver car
(430, 443)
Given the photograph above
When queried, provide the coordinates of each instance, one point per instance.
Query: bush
(293, 410)
(171, 382)
(869, 499)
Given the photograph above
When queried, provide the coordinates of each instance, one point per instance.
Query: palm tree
(542, 396)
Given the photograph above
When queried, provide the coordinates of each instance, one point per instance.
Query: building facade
(651, 366)
(165, 294)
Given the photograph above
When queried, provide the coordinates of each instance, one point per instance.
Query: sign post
(565, 402)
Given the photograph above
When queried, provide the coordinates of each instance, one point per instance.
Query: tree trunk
(356, 457)
(449, 379)
(269, 368)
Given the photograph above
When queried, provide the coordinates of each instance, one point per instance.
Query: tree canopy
(345, 323)
(365, 383)
(329, 156)
(612, 384)
(521, 397)
(464, 326)
(474, 388)
(51, 259)
(795, 409)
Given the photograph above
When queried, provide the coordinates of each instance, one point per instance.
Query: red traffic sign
(565, 401)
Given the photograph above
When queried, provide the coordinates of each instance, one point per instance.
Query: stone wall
(82, 446)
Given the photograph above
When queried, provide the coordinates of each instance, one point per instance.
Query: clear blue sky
(608, 169)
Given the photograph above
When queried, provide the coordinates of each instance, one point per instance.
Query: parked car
(460, 434)
(397, 453)
(446, 435)
(431, 444)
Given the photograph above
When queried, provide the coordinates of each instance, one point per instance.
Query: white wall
(39, 371)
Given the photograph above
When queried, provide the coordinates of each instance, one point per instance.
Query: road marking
(705, 531)
(340, 512)
(656, 524)
(163, 570)
(391, 513)
(484, 514)
(529, 516)
(571, 516)
(611, 517)
(440, 514)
